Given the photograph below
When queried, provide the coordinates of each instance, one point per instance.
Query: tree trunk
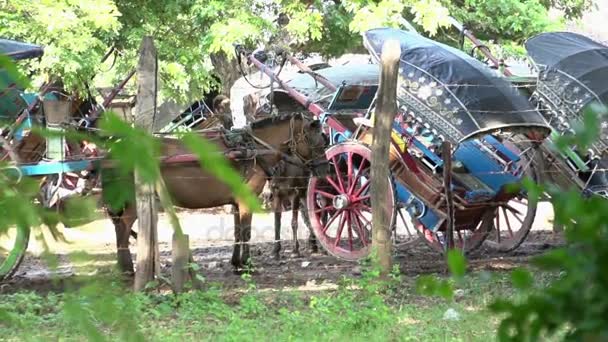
(226, 69)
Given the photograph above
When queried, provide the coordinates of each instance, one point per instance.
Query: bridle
(301, 137)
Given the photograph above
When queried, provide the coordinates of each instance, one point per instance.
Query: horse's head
(309, 144)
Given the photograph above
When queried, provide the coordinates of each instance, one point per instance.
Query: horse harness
(293, 157)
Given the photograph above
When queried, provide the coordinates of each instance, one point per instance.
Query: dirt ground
(211, 237)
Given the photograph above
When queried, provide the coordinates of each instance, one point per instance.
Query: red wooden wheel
(339, 205)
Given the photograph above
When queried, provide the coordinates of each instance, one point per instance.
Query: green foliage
(76, 34)
(352, 311)
(432, 286)
(501, 20)
(573, 9)
(7, 65)
(577, 299)
(456, 263)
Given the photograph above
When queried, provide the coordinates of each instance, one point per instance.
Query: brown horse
(294, 139)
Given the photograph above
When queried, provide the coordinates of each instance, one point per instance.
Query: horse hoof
(295, 255)
(276, 255)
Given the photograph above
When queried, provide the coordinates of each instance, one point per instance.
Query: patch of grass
(359, 310)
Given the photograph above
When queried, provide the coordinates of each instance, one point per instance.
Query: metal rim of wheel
(16, 242)
(467, 240)
(343, 197)
(513, 220)
(13, 244)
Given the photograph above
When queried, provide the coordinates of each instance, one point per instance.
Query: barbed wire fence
(213, 229)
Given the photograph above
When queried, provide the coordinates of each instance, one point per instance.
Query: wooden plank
(446, 154)
(147, 239)
(381, 142)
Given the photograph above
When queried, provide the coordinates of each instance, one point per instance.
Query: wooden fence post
(147, 238)
(180, 254)
(446, 155)
(386, 109)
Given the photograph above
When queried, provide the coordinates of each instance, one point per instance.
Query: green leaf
(501, 305)
(79, 211)
(554, 259)
(8, 65)
(432, 286)
(214, 161)
(521, 279)
(457, 263)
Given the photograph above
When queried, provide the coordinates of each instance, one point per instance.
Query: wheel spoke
(515, 212)
(326, 208)
(497, 225)
(360, 199)
(360, 229)
(362, 207)
(508, 222)
(349, 224)
(358, 176)
(338, 174)
(331, 220)
(360, 214)
(510, 208)
(333, 184)
(349, 174)
(325, 194)
(405, 223)
(363, 187)
(340, 228)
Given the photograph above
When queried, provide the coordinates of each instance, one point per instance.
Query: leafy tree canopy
(195, 38)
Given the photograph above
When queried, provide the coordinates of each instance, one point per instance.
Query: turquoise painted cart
(19, 157)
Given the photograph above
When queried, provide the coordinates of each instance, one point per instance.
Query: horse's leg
(236, 251)
(122, 225)
(276, 206)
(312, 241)
(245, 218)
(295, 210)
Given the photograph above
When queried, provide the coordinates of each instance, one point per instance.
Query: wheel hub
(340, 201)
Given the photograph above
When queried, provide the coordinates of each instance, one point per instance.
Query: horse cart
(568, 73)
(62, 167)
(572, 72)
(443, 95)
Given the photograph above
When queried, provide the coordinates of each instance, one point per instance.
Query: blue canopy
(11, 101)
(460, 96)
(20, 50)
